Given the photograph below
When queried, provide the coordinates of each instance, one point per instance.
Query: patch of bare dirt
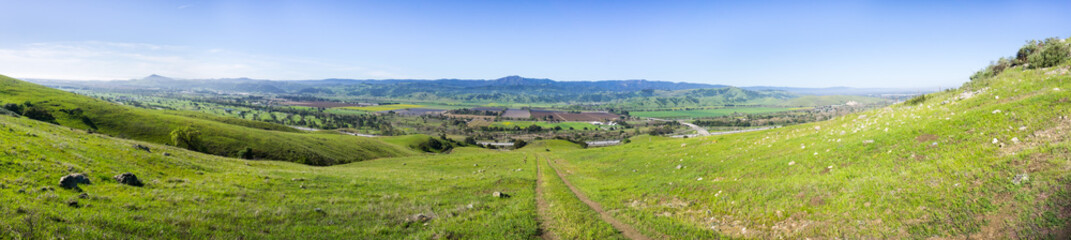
(926, 138)
(1055, 134)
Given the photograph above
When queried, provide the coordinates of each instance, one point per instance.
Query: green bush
(916, 100)
(1051, 53)
(246, 153)
(13, 108)
(187, 137)
(39, 114)
(1035, 54)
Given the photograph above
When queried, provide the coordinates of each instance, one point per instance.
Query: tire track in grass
(542, 208)
(622, 227)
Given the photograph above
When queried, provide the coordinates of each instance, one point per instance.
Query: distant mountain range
(504, 84)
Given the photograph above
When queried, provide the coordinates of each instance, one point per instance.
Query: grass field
(709, 112)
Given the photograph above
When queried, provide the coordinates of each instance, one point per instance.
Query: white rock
(699, 179)
(996, 111)
(995, 141)
(1056, 89)
(1015, 140)
(792, 163)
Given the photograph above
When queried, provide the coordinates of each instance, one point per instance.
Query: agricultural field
(546, 125)
(677, 114)
(381, 108)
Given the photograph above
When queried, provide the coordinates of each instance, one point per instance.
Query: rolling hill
(220, 136)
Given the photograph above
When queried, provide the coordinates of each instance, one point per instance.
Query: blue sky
(742, 43)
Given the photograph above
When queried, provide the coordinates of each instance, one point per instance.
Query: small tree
(246, 153)
(187, 137)
(518, 144)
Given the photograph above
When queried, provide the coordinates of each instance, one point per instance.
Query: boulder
(419, 218)
(1020, 178)
(500, 195)
(128, 179)
(142, 147)
(71, 181)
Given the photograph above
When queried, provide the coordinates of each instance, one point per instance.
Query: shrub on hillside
(246, 153)
(187, 137)
(39, 114)
(13, 108)
(916, 100)
(1035, 54)
(1051, 53)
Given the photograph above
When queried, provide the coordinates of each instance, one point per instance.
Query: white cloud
(111, 60)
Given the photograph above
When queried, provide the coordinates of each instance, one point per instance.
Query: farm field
(709, 112)
(383, 107)
(563, 125)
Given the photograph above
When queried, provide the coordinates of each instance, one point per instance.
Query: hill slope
(990, 160)
(190, 195)
(224, 137)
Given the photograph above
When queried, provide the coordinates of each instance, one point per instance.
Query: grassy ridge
(197, 196)
(990, 165)
(221, 136)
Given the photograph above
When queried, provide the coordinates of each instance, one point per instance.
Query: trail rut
(624, 228)
(542, 206)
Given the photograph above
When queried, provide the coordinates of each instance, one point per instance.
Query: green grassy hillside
(990, 160)
(221, 136)
(190, 195)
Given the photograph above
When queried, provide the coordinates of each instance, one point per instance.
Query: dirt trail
(542, 206)
(625, 229)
